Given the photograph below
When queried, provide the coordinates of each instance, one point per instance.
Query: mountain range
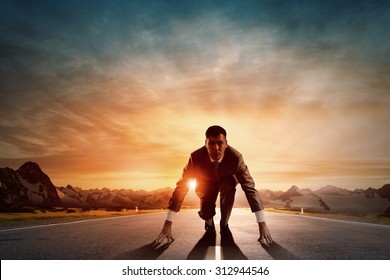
(30, 186)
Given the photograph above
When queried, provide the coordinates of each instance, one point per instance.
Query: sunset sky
(118, 93)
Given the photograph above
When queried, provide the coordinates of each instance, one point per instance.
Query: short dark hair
(215, 130)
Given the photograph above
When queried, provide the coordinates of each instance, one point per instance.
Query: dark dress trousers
(213, 178)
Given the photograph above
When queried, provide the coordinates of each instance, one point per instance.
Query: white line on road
(218, 253)
(332, 220)
(68, 223)
(213, 253)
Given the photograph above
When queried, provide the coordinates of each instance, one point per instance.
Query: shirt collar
(217, 160)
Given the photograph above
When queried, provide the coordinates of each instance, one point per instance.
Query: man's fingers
(170, 238)
(268, 239)
(159, 238)
(265, 239)
(261, 240)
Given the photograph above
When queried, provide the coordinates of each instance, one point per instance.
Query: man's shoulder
(232, 152)
(202, 151)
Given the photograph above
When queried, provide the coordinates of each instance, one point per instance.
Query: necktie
(215, 168)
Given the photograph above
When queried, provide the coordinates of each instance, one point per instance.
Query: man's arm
(175, 202)
(248, 186)
(265, 235)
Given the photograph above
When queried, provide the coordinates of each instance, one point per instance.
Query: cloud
(107, 87)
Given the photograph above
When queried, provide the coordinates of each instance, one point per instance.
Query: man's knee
(207, 213)
(208, 198)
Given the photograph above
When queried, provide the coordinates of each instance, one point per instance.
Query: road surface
(130, 237)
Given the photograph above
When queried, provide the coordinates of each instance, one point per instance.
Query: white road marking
(332, 220)
(68, 223)
(213, 253)
(218, 255)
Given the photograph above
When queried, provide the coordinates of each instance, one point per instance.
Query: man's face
(216, 146)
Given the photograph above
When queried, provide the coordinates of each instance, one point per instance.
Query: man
(217, 168)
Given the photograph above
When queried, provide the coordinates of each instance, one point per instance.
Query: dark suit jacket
(199, 167)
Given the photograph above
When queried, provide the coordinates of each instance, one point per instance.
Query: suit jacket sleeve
(182, 187)
(248, 186)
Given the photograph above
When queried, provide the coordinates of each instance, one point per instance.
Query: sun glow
(192, 184)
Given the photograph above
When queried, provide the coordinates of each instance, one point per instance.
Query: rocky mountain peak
(28, 185)
(69, 187)
(385, 191)
(293, 191)
(32, 173)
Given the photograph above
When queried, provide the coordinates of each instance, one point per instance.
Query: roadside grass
(78, 213)
(69, 213)
(371, 218)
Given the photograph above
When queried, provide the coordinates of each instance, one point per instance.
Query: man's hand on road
(265, 235)
(166, 232)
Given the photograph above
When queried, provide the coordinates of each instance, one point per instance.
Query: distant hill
(119, 198)
(331, 199)
(384, 191)
(332, 190)
(30, 186)
(293, 191)
(27, 186)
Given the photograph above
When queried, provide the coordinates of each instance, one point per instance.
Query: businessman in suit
(217, 168)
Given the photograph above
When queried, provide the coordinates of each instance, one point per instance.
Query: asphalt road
(130, 237)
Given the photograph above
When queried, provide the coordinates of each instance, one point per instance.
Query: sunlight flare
(192, 184)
